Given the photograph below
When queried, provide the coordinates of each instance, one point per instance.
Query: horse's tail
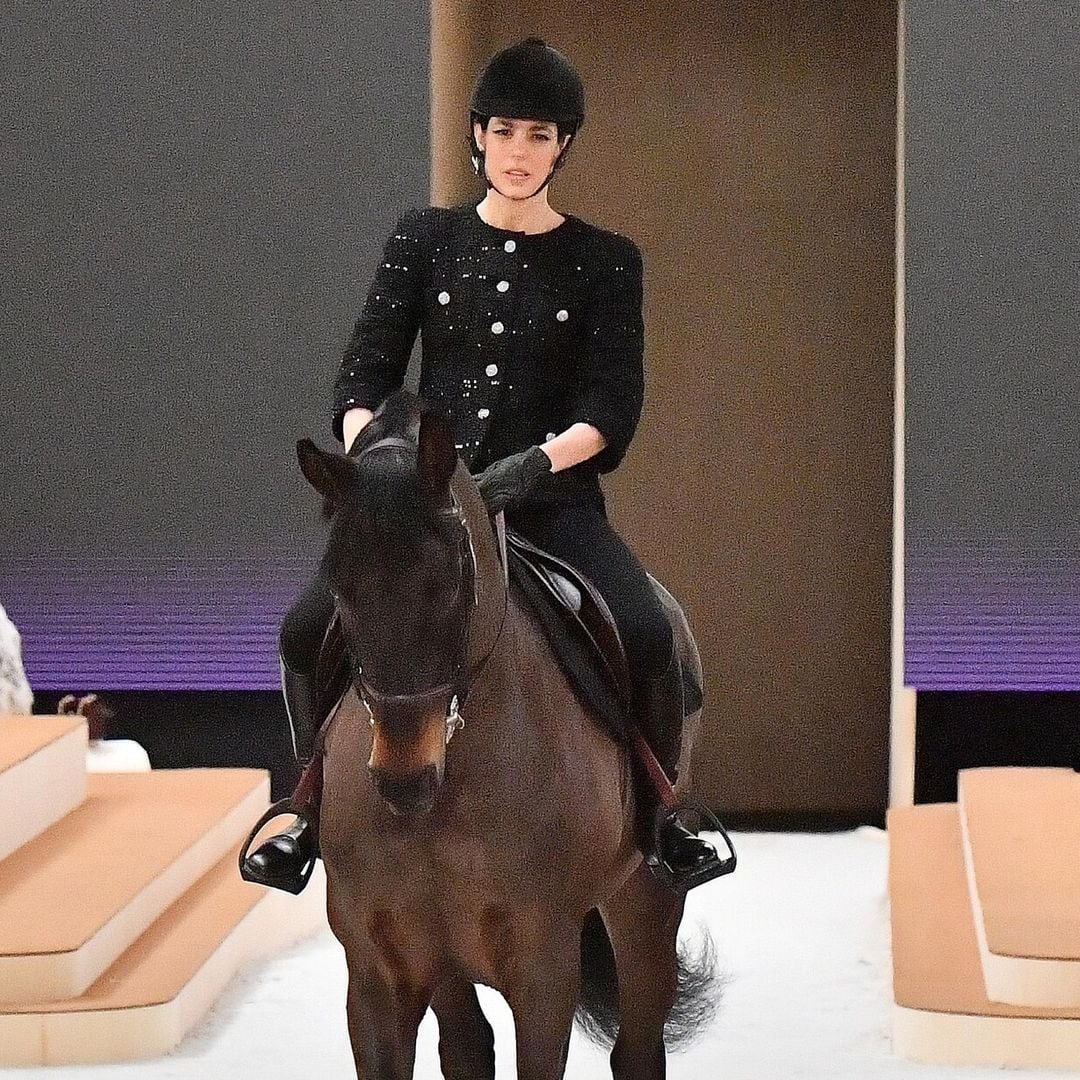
(697, 996)
(598, 1002)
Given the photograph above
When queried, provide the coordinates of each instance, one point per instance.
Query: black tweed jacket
(521, 336)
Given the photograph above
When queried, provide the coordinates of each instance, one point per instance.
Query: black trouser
(578, 533)
(304, 626)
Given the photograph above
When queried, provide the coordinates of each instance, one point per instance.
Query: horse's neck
(523, 701)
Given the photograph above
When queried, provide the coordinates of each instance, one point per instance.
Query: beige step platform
(42, 775)
(941, 1013)
(75, 898)
(168, 979)
(1021, 831)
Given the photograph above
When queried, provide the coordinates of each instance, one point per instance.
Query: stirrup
(681, 882)
(249, 873)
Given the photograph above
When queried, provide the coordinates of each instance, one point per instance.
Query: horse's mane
(398, 415)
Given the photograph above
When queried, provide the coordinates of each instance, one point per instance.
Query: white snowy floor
(801, 929)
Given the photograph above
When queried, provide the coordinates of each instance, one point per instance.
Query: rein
(456, 690)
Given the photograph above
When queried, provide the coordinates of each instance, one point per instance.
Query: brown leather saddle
(582, 632)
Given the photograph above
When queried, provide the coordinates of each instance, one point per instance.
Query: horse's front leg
(541, 986)
(466, 1041)
(383, 1020)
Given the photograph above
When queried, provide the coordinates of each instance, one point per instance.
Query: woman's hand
(508, 480)
(353, 422)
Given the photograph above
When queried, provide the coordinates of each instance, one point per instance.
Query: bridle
(466, 602)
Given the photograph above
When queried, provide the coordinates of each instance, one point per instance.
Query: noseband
(467, 601)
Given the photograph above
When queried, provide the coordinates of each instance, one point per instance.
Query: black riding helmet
(528, 81)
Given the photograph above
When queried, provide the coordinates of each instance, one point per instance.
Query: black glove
(508, 480)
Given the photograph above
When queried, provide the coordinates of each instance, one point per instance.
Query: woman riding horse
(532, 346)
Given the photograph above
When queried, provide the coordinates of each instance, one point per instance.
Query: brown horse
(507, 856)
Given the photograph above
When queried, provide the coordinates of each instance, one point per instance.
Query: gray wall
(194, 200)
(993, 266)
(992, 499)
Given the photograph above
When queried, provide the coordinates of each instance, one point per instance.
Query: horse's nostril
(413, 793)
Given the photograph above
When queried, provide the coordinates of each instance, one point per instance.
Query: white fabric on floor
(15, 694)
(801, 929)
(116, 755)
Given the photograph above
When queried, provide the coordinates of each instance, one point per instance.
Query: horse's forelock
(388, 508)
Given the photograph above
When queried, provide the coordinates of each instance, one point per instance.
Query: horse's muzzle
(413, 793)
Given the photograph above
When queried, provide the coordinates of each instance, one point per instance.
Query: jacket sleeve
(611, 376)
(377, 354)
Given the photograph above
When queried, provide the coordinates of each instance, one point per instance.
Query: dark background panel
(992, 276)
(982, 729)
(194, 199)
(196, 729)
(992, 166)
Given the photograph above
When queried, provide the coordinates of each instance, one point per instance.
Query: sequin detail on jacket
(521, 335)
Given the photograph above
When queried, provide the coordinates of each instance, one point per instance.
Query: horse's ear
(437, 456)
(331, 475)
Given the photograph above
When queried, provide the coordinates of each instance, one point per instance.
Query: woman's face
(519, 153)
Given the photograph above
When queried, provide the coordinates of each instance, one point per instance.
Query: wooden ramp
(106, 871)
(1021, 831)
(122, 912)
(42, 775)
(942, 1013)
(167, 980)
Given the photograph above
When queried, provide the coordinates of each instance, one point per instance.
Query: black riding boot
(683, 857)
(284, 860)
